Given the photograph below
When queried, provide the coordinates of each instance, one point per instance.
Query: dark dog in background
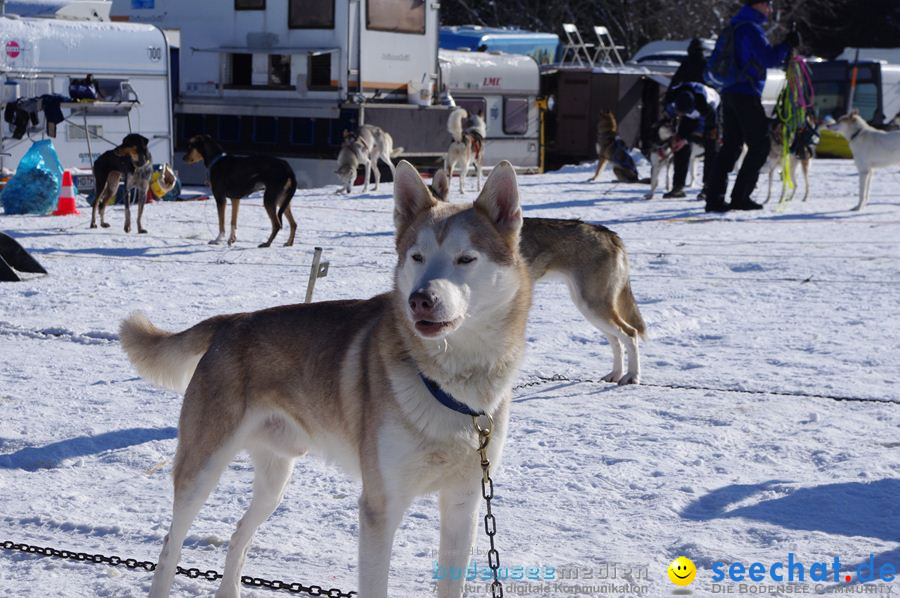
(235, 177)
(130, 159)
(611, 148)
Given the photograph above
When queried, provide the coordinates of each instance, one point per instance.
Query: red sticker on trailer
(13, 49)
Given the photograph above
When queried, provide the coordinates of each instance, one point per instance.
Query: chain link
(487, 491)
(193, 573)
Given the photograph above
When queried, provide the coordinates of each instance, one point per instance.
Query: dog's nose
(422, 302)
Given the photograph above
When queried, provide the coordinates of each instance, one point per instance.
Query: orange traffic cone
(66, 205)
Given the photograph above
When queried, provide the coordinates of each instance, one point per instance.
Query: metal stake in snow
(319, 269)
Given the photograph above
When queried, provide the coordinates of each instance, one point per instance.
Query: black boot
(747, 204)
(716, 204)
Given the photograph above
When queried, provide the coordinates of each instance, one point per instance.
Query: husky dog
(662, 153)
(611, 148)
(359, 381)
(467, 147)
(593, 262)
(871, 149)
(801, 151)
(366, 146)
(132, 160)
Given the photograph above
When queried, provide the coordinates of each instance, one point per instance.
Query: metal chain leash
(193, 573)
(540, 380)
(487, 491)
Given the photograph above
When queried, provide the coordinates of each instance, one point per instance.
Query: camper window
(319, 72)
(229, 128)
(279, 70)
(241, 66)
(398, 16)
(311, 14)
(249, 4)
(515, 116)
(473, 105)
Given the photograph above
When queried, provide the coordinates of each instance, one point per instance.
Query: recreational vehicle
(287, 78)
(543, 47)
(503, 89)
(129, 64)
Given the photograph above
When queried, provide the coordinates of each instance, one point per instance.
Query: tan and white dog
(348, 379)
(871, 147)
(802, 148)
(467, 149)
(661, 156)
(366, 146)
(593, 262)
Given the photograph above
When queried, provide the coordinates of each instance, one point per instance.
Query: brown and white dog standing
(132, 160)
(235, 177)
(366, 146)
(593, 262)
(802, 148)
(348, 379)
(467, 149)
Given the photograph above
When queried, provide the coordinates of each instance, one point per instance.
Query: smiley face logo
(682, 571)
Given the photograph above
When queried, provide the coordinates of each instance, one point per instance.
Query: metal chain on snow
(540, 380)
(487, 491)
(193, 573)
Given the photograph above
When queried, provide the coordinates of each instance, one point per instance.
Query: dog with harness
(235, 177)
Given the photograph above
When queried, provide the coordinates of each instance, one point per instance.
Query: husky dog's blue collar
(214, 160)
(445, 399)
(855, 135)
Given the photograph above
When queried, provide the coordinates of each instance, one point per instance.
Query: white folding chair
(607, 51)
(576, 45)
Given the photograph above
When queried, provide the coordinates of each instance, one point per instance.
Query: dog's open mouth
(429, 328)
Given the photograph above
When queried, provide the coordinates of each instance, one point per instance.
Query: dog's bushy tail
(455, 124)
(165, 358)
(397, 151)
(628, 309)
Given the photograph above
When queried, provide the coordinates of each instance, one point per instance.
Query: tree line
(826, 26)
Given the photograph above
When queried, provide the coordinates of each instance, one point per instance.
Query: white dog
(661, 156)
(871, 149)
(360, 382)
(467, 147)
(366, 146)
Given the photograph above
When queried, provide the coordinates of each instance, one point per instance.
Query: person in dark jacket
(692, 68)
(743, 117)
(695, 106)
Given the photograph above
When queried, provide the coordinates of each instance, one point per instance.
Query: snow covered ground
(761, 320)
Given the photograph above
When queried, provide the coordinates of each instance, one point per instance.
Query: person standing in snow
(743, 116)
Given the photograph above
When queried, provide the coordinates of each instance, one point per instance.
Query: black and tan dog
(236, 177)
(132, 160)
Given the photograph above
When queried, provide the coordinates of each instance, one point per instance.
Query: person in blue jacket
(743, 117)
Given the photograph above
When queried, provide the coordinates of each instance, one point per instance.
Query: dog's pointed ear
(441, 184)
(411, 196)
(854, 112)
(499, 200)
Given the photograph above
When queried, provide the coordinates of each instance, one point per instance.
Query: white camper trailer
(287, 77)
(504, 89)
(129, 63)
